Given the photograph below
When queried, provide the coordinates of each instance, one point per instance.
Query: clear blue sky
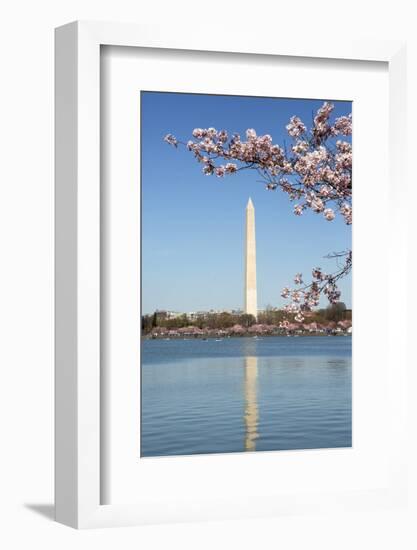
(193, 225)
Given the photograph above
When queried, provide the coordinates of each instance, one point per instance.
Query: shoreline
(245, 335)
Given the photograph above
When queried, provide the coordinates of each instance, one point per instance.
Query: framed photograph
(222, 349)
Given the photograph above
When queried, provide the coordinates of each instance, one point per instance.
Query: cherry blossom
(329, 214)
(295, 127)
(172, 140)
(298, 279)
(306, 297)
(316, 171)
(285, 292)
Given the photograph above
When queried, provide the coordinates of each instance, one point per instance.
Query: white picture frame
(78, 265)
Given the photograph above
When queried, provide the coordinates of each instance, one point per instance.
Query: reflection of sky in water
(245, 394)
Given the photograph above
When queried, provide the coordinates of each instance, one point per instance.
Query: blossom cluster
(306, 296)
(316, 172)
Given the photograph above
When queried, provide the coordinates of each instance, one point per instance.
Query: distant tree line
(334, 312)
(270, 316)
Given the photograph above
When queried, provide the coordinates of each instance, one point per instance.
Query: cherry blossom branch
(306, 296)
(316, 172)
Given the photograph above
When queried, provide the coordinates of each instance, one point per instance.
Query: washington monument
(251, 301)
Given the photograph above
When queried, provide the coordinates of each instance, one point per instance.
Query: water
(245, 394)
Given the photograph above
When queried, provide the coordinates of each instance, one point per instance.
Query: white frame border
(77, 247)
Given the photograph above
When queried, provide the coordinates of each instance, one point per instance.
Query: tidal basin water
(245, 394)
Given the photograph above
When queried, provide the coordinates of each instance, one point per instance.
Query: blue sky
(193, 225)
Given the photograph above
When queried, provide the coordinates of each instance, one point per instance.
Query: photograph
(246, 274)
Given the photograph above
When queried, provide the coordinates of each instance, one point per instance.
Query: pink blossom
(250, 134)
(271, 186)
(300, 147)
(344, 161)
(323, 113)
(346, 211)
(318, 274)
(208, 169)
(230, 168)
(285, 292)
(172, 140)
(343, 146)
(222, 136)
(343, 125)
(317, 205)
(329, 214)
(295, 127)
(199, 133)
(298, 279)
(296, 296)
(332, 292)
(324, 191)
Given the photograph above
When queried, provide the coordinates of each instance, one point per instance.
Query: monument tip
(250, 203)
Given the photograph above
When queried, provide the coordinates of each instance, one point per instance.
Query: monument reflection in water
(251, 403)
